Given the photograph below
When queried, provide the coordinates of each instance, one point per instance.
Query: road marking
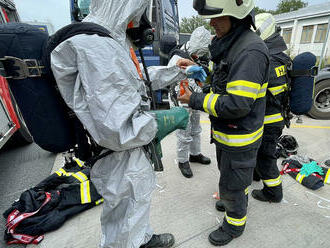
(292, 126)
(305, 126)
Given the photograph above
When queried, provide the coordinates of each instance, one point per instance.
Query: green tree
(260, 10)
(188, 25)
(289, 5)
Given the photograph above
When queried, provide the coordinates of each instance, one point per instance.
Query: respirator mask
(143, 35)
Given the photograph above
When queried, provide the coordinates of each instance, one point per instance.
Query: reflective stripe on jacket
(278, 80)
(237, 102)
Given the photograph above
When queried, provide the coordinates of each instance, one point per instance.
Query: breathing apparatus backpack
(25, 62)
(301, 89)
(299, 93)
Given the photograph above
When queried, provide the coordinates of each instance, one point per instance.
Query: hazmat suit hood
(199, 42)
(115, 15)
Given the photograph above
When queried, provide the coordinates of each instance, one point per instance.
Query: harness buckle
(16, 68)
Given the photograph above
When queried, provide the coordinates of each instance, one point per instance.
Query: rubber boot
(219, 237)
(185, 169)
(160, 241)
(261, 196)
(220, 206)
(200, 158)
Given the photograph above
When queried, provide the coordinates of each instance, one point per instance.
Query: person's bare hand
(183, 63)
(185, 98)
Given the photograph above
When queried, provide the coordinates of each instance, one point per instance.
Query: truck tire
(22, 136)
(321, 104)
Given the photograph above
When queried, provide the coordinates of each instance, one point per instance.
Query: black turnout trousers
(236, 173)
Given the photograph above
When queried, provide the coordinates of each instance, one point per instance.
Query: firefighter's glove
(170, 120)
(196, 72)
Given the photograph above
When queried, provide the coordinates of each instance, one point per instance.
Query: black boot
(219, 237)
(164, 240)
(185, 169)
(200, 158)
(261, 196)
(220, 206)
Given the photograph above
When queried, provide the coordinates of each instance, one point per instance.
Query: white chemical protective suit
(99, 81)
(188, 140)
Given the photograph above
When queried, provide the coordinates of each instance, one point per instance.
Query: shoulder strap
(69, 31)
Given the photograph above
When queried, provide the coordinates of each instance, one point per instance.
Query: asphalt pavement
(185, 207)
(20, 169)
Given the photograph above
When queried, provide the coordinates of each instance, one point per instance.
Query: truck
(164, 18)
(321, 103)
(13, 130)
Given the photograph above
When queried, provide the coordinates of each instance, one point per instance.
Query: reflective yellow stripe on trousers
(81, 177)
(61, 172)
(273, 182)
(237, 140)
(300, 177)
(327, 177)
(98, 202)
(85, 194)
(209, 104)
(273, 118)
(235, 222)
(79, 162)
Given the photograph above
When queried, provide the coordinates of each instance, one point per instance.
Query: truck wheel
(22, 136)
(321, 104)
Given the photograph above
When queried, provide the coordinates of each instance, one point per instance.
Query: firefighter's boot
(185, 169)
(164, 240)
(200, 158)
(260, 195)
(219, 237)
(220, 206)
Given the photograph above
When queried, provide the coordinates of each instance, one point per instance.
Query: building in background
(305, 29)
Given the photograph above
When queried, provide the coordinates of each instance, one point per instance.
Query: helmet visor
(203, 9)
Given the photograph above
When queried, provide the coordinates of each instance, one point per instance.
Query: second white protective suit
(188, 141)
(100, 83)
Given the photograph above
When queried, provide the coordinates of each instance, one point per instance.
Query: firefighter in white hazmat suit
(100, 83)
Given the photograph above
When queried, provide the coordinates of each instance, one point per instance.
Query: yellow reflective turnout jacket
(236, 103)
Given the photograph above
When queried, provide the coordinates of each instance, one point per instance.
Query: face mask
(143, 35)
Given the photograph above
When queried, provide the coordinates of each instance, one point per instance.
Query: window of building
(287, 33)
(321, 33)
(306, 35)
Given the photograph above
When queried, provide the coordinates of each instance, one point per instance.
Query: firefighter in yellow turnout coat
(236, 105)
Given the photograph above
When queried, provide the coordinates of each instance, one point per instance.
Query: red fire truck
(13, 130)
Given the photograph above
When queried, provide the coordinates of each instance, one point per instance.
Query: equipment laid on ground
(307, 173)
(286, 145)
(49, 204)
